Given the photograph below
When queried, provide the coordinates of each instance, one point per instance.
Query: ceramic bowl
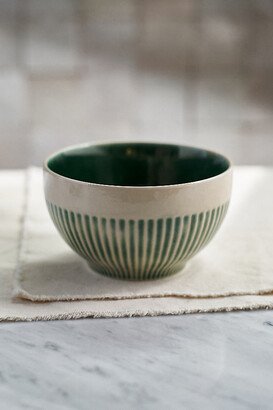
(137, 210)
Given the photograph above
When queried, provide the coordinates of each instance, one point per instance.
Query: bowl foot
(137, 276)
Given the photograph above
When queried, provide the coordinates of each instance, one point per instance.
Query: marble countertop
(209, 361)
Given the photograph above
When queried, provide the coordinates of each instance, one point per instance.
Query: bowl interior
(137, 164)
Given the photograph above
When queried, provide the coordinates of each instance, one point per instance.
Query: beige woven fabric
(234, 272)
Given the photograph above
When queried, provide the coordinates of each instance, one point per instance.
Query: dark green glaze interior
(137, 164)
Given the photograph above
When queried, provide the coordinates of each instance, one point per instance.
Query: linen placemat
(233, 272)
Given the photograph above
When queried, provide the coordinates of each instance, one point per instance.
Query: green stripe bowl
(137, 211)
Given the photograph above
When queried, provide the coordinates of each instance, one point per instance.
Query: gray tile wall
(188, 71)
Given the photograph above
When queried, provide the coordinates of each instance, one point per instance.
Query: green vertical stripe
(115, 247)
(140, 247)
(150, 231)
(116, 272)
(137, 249)
(168, 223)
(92, 256)
(123, 245)
(158, 240)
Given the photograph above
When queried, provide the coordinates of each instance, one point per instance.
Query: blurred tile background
(188, 71)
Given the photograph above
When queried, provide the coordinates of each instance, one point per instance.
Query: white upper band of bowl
(138, 202)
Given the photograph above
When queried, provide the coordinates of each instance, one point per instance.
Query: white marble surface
(207, 361)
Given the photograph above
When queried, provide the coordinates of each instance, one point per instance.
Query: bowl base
(137, 276)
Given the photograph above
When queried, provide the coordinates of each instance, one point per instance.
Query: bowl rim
(130, 187)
